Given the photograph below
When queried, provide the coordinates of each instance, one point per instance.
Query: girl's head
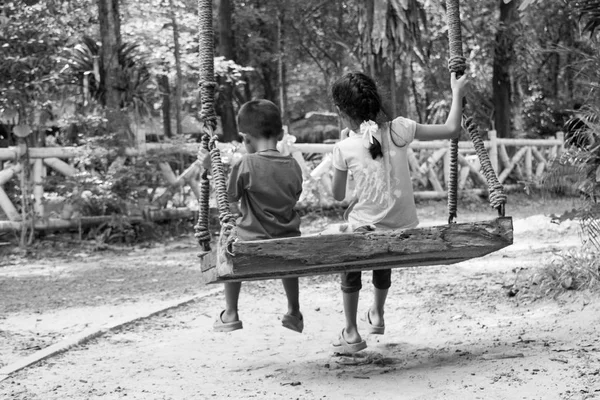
(357, 99)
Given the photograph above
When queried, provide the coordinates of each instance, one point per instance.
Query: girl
(376, 155)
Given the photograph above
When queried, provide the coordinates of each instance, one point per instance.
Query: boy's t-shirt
(268, 185)
(383, 187)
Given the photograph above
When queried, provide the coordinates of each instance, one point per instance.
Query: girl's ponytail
(375, 149)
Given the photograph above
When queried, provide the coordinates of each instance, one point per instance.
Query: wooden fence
(429, 164)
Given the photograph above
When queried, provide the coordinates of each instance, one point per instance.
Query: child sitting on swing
(267, 184)
(376, 155)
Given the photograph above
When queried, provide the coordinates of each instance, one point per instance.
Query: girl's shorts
(352, 281)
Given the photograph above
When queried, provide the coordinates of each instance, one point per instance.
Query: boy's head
(260, 119)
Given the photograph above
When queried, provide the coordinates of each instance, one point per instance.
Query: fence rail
(523, 160)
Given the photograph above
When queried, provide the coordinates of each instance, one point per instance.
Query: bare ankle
(230, 316)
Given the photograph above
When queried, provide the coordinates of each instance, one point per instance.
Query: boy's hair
(260, 118)
(356, 95)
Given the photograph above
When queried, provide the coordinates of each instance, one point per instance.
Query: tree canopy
(548, 52)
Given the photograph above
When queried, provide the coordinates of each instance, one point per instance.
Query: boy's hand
(459, 86)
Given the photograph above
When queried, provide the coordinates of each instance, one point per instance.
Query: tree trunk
(163, 82)
(375, 64)
(281, 69)
(179, 80)
(224, 103)
(503, 59)
(110, 32)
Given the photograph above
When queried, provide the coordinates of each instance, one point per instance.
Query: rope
(209, 117)
(225, 215)
(457, 63)
(202, 229)
(497, 196)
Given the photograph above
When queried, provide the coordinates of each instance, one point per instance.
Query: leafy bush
(570, 270)
(84, 62)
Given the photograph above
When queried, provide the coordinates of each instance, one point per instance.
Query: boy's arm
(236, 184)
(451, 129)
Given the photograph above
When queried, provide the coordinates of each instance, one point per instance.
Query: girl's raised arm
(451, 129)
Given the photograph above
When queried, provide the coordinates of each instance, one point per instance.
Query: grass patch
(577, 269)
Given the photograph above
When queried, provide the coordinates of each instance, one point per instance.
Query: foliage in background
(570, 270)
(83, 62)
(32, 38)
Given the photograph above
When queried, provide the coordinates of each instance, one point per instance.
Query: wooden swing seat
(329, 254)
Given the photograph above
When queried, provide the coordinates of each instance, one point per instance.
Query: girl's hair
(356, 95)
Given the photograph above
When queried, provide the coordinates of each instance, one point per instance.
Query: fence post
(560, 136)
(529, 164)
(493, 152)
(38, 187)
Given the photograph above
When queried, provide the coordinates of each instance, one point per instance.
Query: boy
(267, 185)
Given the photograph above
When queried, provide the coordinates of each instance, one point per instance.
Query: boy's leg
(232, 294)
(293, 318)
(292, 292)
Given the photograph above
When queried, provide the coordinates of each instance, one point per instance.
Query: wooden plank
(493, 150)
(539, 170)
(38, 187)
(432, 160)
(463, 176)
(503, 156)
(474, 171)
(167, 173)
(530, 142)
(320, 254)
(528, 164)
(60, 166)
(512, 165)
(446, 167)
(538, 155)
(437, 186)
(414, 165)
(8, 173)
(8, 207)
(56, 223)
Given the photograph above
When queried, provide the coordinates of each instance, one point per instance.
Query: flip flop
(292, 322)
(343, 347)
(220, 326)
(374, 329)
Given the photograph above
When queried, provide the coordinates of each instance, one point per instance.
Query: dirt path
(452, 332)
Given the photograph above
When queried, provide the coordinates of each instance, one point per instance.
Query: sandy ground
(452, 332)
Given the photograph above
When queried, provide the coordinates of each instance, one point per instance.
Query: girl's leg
(292, 292)
(377, 309)
(232, 294)
(351, 285)
(382, 280)
(350, 310)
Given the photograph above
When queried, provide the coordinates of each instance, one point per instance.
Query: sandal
(374, 329)
(220, 326)
(343, 347)
(293, 323)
